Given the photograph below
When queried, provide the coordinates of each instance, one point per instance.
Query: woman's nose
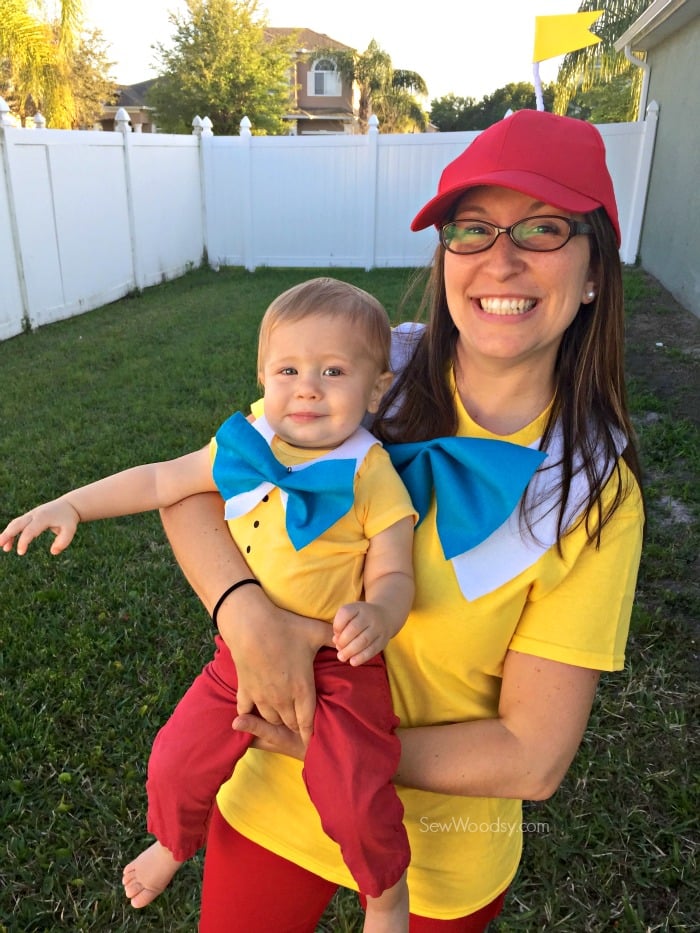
(504, 257)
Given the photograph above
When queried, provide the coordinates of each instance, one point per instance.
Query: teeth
(507, 305)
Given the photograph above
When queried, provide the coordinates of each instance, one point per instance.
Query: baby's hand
(360, 631)
(58, 516)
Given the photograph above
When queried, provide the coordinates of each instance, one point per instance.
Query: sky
(468, 48)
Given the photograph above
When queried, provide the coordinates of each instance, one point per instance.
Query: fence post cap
(207, 127)
(197, 126)
(121, 120)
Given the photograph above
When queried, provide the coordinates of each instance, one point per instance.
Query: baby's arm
(361, 630)
(139, 489)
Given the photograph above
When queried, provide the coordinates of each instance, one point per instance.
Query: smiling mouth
(507, 306)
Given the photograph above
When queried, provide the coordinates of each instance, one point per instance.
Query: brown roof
(307, 38)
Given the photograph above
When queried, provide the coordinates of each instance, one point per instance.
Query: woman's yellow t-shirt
(445, 665)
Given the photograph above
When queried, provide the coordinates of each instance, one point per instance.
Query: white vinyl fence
(87, 217)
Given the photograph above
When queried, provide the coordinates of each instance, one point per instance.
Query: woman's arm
(273, 649)
(524, 753)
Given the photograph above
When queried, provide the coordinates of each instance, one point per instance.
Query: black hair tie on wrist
(227, 593)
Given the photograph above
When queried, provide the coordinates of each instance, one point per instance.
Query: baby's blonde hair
(330, 297)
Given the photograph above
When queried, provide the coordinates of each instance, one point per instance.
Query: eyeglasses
(539, 234)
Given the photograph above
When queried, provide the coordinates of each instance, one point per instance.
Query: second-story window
(324, 80)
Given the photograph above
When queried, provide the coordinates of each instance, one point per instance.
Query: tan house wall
(308, 101)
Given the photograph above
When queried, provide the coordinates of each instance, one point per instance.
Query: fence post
(641, 182)
(247, 211)
(4, 113)
(121, 125)
(202, 129)
(371, 192)
(5, 127)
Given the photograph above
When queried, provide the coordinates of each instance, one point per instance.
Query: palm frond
(596, 64)
(38, 56)
(409, 81)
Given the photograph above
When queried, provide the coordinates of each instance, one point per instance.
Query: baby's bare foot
(149, 874)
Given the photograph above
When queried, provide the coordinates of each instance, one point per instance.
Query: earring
(590, 295)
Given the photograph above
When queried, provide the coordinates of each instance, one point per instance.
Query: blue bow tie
(318, 495)
(478, 483)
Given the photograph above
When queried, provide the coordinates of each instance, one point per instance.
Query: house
(669, 33)
(132, 98)
(322, 101)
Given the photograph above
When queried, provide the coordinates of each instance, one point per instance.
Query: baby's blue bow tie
(478, 483)
(318, 494)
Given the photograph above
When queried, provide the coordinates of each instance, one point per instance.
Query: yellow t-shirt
(327, 573)
(445, 665)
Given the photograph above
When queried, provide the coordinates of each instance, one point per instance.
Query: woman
(494, 674)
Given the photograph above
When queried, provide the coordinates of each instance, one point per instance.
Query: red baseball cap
(558, 160)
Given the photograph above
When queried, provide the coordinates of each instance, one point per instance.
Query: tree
(222, 65)
(605, 103)
(451, 113)
(598, 64)
(36, 56)
(396, 106)
(514, 96)
(90, 81)
(383, 90)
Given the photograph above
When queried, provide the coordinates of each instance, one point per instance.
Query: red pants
(248, 889)
(350, 762)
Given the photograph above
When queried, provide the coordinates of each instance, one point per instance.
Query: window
(324, 80)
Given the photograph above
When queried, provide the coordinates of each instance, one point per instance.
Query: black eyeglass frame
(576, 228)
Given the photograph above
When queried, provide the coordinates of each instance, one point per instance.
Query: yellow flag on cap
(557, 35)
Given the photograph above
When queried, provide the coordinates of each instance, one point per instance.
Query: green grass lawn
(98, 644)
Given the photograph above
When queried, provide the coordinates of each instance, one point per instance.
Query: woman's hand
(271, 738)
(274, 654)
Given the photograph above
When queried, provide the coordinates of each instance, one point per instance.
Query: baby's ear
(381, 387)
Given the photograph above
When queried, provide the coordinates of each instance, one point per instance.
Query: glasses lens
(467, 236)
(541, 233)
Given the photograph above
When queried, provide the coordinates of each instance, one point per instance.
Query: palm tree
(35, 58)
(597, 64)
(383, 90)
(396, 106)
